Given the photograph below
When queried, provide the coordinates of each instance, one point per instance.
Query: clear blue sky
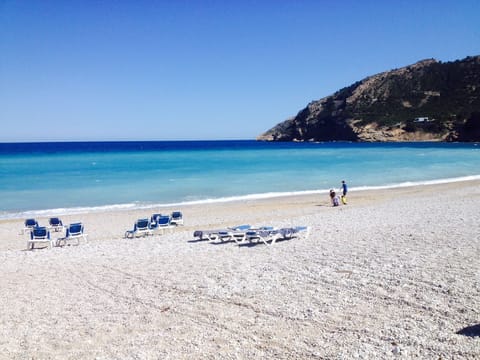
(213, 69)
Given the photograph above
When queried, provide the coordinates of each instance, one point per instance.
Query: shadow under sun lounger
(470, 331)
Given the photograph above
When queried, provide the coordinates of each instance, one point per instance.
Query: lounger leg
(275, 238)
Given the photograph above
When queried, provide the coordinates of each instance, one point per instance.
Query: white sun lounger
(236, 234)
(270, 236)
(228, 234)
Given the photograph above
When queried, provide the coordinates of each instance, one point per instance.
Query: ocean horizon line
(259, 196)
(53, 141)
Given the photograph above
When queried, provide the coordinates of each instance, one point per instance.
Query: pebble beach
(393, 274)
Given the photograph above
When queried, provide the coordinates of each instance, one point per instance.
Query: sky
(200, 70)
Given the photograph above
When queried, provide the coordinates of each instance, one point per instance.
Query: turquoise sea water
(57, 178)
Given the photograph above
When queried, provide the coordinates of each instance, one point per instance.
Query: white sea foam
(133, 206)
(418, 183)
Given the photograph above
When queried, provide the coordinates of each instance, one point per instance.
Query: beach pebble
(357, 288)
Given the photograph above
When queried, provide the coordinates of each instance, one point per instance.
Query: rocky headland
(427, 101)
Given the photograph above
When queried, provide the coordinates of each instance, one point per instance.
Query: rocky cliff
(426, 101)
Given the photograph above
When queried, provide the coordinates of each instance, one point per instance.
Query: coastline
(394, 271)
(108, 176)
(273, 195)
(221, 209)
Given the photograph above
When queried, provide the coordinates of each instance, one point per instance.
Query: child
(334, 198)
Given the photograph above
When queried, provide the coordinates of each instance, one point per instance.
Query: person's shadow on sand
(470, 331)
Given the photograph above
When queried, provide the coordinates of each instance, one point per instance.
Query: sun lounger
(270, 236)
(163, 223)
(154, 220)
(140, 228)
(40, 234)
(176, 218)
(29, 225)
(222, 234)
(236, 234)
(74, 233)
(206, 234)
(55, 224)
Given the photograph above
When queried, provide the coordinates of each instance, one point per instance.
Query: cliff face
(428, 101)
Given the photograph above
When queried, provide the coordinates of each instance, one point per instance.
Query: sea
(56, 178)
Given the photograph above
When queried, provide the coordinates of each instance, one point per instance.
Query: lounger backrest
(75, 229)
(142, 224)
(154, 218)
(40, 233)
(31, 223)
(164, 220)
(55, 221)
(176, 215)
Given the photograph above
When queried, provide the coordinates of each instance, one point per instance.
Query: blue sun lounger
(154, 220)
(140, 228)
(74, 232)
(55, 224)
(40, 234)
(29, 225)
(164, 222)
(176, 218)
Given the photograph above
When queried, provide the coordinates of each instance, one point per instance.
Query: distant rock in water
(426, 101)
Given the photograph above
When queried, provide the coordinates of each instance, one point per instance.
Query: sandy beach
(393, 274)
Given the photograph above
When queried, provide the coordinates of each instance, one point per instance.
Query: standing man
(344, 192)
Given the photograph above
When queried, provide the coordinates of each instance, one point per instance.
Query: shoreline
(253, 197)
(254, 211)
(393, 272)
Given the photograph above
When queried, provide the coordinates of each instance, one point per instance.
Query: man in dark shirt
(344, 188)
(344, 192)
